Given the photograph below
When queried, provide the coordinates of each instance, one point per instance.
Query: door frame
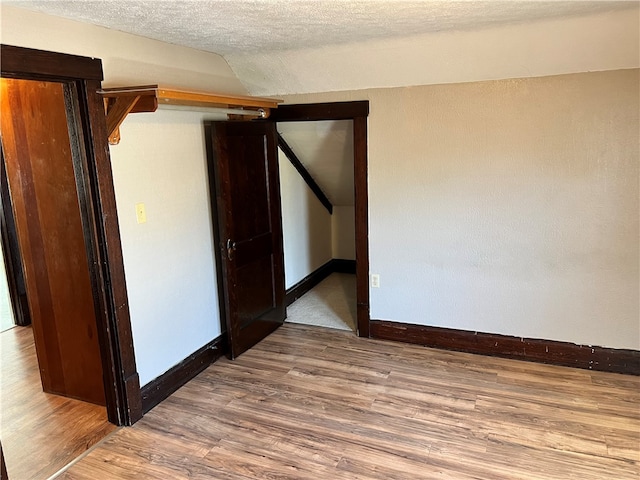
(96, 196)
(358, 111)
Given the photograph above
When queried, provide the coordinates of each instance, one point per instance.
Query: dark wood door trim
(357, 111)
(96, 194)
(320, 111)
(28, 63)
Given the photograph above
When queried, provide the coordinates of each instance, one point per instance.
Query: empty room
(372, 239)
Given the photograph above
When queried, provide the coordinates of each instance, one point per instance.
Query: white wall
(343, 232)
(507, 206)
(169, 260)
(161, 162)
(306, 225)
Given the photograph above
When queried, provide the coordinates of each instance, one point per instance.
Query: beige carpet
(331, 303)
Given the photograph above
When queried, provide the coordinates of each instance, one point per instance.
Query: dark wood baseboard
(344, 266)
(533, 350)
(161, 387)
(308, 282)
(314, 278)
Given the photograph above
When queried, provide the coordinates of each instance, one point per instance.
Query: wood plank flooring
(314, 403)
(41, 433)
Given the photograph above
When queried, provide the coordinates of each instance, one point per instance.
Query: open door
(40, 170)
(245, 196)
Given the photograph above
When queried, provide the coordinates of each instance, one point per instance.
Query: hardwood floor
(316, 403)
(41, 433)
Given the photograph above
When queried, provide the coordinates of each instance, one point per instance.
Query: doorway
(38, 153)
(81, 77)
(316, 164)
(244, 190)
(357, 112)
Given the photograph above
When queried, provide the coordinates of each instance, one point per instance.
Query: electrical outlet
(141, 214)
(375, 280)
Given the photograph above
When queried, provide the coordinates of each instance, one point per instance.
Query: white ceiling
(326, 151)
(251, 26)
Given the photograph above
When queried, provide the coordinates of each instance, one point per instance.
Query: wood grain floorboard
(41, 433)
(311, 403)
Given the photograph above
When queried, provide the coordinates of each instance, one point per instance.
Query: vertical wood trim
(362, 224)
(116, 321)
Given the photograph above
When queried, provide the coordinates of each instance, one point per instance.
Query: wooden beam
(117, 111)
(295, 161)
(321, 111)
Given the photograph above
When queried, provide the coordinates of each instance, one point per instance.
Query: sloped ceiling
(326, 151)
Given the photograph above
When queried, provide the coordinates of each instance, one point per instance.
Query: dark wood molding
(111, 276)
(161, 387)
(320, 111)
(81, 76)
(532, 350)
(358, 112)
(308, 282)
(304, 173)
(341, 265)
(19, 62)
(360, 174)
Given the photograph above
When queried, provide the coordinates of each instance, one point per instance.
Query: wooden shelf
(120, 102)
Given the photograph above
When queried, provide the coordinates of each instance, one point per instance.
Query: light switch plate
(141, 214)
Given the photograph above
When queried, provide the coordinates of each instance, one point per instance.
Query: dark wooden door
(44, 196)
(245, 196)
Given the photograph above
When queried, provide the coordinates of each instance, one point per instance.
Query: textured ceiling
(326, 151)
(245, 26)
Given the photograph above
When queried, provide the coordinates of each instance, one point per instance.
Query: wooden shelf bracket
(120, 102)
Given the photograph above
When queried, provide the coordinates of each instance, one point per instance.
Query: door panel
(245, 193)
(42, 184)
